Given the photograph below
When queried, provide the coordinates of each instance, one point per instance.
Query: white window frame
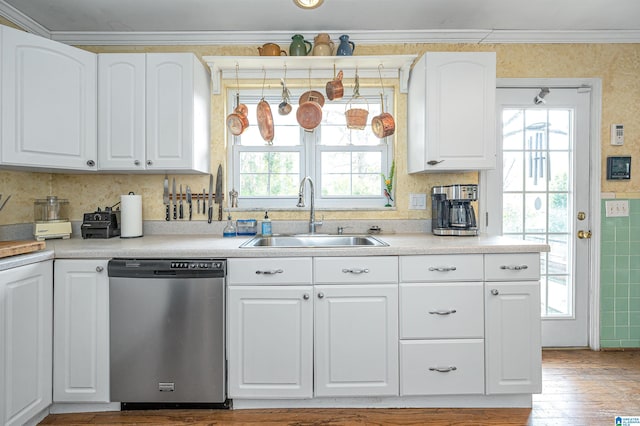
(310, 150)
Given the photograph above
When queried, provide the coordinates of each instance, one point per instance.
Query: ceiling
(373, 21)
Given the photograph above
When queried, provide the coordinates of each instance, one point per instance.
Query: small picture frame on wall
(618, 168)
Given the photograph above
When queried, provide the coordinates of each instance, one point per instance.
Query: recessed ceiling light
(308, 4)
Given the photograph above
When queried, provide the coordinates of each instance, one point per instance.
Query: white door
(356, 340)
(270, 341)
(49, 103)
(81, 327)
(543, 194)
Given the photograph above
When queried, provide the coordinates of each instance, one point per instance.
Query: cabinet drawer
(437, 311)
(442, 367)
(354, 270)
(461, 267)
(269, 271)
(510, 267)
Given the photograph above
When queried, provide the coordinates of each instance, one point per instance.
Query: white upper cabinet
(451, 112)
(154, 113)
(48, 104)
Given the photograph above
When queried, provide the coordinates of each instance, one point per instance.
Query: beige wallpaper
(618, 65)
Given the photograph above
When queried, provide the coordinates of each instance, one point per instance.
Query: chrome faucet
(312, 217)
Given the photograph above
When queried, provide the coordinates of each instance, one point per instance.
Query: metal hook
(5, 201)
(237, 80)
(380, 74)
(264, 79)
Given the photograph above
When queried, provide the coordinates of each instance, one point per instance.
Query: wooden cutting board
(11, 248)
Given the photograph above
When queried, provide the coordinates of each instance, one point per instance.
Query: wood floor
(580, 387)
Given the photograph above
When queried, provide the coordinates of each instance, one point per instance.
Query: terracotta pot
(383, 125)
(334, 88)
(265, 121)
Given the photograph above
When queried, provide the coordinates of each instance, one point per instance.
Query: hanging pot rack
(303, 67)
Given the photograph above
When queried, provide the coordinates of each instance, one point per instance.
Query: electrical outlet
(616, 208)
(417, 201)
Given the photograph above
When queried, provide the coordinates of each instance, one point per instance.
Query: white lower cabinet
(442, 367)
(81, 330)
(356, 340)
(514, 356)
(26, 304)
(512, 323)
(270, 341)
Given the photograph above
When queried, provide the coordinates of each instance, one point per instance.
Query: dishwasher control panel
(196, 264)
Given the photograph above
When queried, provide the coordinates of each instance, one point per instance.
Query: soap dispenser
(229, 230)
(266, 225)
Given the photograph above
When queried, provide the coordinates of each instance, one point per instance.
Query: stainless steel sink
(308, 240)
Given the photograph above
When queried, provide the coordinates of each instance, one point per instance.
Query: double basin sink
(314, 240)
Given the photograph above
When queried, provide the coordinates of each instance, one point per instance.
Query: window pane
(559, 133)
(512, 171)
(558, 212)
(265, 174)
(351, 173)
(512, 129)
(559, 173)
(512, 213)
(536, 213)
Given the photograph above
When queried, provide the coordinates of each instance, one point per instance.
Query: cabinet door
(25, 341)
(512, 336)
(49, 103)
(121, 111)
(356, 340)
(81, 329)
(452, 112)
(178, 99)
(269, 341)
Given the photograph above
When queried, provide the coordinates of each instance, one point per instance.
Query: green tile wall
(620, 279)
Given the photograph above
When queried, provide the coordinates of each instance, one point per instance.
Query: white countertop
(207, 246)
(25, 259)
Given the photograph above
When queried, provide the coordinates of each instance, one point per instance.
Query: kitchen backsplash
(620, 278)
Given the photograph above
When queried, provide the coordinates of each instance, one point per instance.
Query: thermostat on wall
(618, 168)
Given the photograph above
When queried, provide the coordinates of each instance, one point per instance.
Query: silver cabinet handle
(320, 295)
(514, 267)
(443, 312)
(99, 269)
(305, 296)
(495, 292)
(91, 163)
(149, 162)
(442, 268)
(443, 369)
(270, 272)
(136, 162)
(355, 271)
(434, 162)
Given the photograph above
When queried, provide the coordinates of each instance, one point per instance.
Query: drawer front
(441, 310)
(459, 267)
(356, 270)
(512, 267)
(442, 367)
(270, 271)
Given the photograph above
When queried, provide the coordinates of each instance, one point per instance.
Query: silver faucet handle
(341, 229)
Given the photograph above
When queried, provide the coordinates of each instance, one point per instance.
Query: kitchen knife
(181, 214)
(204, 201)
(189, 201)
(165, 197)
(173, 200)
(219, 194)
(210, 205)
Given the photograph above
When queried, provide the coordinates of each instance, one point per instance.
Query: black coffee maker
(451, 210)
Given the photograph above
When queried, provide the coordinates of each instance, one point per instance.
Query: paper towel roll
(130, 216)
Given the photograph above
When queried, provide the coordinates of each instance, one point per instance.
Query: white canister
(130, 216)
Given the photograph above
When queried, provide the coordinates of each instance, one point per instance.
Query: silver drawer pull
(355, 271)
(443, 312)
(442, 369)
(270, 272)
(514, 267)
(442, 268)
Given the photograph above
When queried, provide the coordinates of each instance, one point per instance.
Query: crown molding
(114, 38)
(23, 21)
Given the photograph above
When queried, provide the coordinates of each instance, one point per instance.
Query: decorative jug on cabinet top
(322, 45)
(346, 47)
(271, 49)
(299, 46)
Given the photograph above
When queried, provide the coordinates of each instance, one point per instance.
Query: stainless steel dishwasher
(167, 331)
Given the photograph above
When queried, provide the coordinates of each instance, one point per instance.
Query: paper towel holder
(131, 215)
